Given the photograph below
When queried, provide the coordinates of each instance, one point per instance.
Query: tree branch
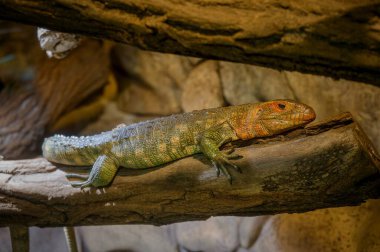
(327, 164)
(333, 38)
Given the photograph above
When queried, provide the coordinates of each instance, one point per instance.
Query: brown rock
(337, 229)
(125, 238)
(250, 229)
(216, 234)
(138, 98)
(202, 89)
(110, 118)
(246, 84)
(153, 80)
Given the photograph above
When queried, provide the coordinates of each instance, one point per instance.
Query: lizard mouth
(306, 117)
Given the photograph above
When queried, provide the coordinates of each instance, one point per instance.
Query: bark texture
(325, 165)
(333, 38)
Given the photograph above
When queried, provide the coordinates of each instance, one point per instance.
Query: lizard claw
(79, 176)
(222, 161)
(229, 151)
(230, 155)
(216, 168)
(81, 184)
(233, 156)
(221, 167)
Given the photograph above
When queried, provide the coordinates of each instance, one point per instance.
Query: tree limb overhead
(327, 164)
(333, 38)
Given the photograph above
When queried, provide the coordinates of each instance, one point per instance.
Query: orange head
(274, 117)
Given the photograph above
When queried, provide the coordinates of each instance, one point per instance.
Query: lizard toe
(216, 168)
(220, 165)
(79, 176)
(233, 156)
(77, 184)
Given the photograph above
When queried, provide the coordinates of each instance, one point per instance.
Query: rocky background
(154, 84)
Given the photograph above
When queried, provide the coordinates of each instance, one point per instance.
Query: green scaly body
(166, 139)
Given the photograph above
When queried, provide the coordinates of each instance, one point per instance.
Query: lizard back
(143, 144)
(161, 140)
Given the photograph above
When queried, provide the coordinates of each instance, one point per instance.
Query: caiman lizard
(162, 140)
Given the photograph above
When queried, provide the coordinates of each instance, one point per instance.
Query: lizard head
(277, 116)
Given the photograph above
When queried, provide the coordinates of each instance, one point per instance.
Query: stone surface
(155, 76)
(217, 234)
(250, 230)
(125, 238)
(40, 240)
(5, 240)
(336, 229)
(246, 84)
(140, 99)
(202, 89)
(110, 118)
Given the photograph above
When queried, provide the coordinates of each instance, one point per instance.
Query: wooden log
(326, 37)
(327, 164)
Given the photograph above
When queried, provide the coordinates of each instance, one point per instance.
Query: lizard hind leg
(102, 173)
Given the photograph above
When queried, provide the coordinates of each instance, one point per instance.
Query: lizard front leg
(210, 142)
(102, 173)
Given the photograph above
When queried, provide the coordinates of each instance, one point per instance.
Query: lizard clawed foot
(210, 142)
(102, 173)
(222, 161)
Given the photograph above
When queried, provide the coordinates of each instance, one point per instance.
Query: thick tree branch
(325, 165)
(334, 38)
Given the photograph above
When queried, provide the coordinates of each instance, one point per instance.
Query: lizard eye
(281, 106)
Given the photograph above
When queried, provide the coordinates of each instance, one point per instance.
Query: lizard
(162, 140)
